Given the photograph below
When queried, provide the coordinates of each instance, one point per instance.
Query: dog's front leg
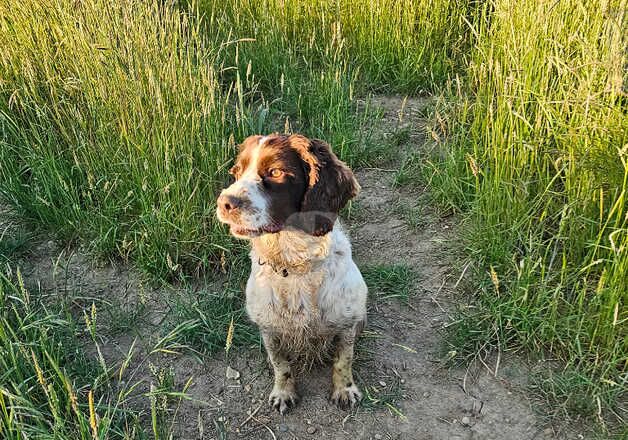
(284, 394)
(345, 392)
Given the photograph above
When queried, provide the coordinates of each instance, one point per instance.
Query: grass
(201, 319)
(117, 130)
(12, 244)
(536, 158)
(391, 46)
(385, 396)
(57, 382)
(49, 386)
(119, 120)
(390, 280)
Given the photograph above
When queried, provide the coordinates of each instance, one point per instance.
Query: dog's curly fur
(305, 292)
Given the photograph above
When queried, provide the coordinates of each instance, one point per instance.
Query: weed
(47, 375)
(13, 243)
(202, 319)
(390, 280)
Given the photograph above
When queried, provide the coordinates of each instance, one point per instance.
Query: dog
(305, 293)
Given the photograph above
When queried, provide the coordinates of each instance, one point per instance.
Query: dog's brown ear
(331, 185)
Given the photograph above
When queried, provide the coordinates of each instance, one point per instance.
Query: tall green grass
(538, 157)
(312, 59)
(396, 46)
(115, 129)
(118, 121)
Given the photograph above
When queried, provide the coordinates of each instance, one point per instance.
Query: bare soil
(401, 357)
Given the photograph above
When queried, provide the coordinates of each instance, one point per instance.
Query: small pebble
(283, 427)
(311, 430)
(232, 374)
(466, 421)
(426, 394)
(382, 383)
(402, 381)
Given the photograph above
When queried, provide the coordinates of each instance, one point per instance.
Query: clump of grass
(379, 397)
(414, 216)
(410, 171)
(536, 156)
(202, 321)
(213, 318)
(390, 280)
(123, 317)
(12, 244)
(52, 386)
(47, 376)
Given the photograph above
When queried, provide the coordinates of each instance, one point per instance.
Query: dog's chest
(287, 304)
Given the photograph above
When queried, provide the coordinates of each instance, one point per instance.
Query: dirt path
(401, 356)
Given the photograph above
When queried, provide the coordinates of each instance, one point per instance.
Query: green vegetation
(201, 320)
(12, 244)
(538, 159)
(57, 379)
(118, 121)
(382, 396)
(49, 387)
(390, 280)
(394, 46)
(115, 129)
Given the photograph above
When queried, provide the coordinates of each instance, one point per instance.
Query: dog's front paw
(346, 397)
(282, 399)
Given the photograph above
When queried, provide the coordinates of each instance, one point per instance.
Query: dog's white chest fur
(322, 292)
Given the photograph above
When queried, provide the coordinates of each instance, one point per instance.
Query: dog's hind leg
(345, 392)
(284, 394)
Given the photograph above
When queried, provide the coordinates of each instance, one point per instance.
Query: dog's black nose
(228, 203)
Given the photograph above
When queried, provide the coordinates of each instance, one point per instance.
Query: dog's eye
(275, 173)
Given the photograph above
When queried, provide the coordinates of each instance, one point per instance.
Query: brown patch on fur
(331, 185)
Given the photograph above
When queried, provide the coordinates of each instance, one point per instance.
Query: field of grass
(537, 157)
(118, 121)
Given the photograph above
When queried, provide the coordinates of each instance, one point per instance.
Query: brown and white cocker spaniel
(305, 292)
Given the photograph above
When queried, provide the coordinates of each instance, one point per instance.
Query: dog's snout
(228, 203)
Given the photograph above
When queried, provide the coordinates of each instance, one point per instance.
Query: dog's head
(285, 182)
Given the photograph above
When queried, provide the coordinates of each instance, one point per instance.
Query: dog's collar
(281, 271)
(285, 270)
